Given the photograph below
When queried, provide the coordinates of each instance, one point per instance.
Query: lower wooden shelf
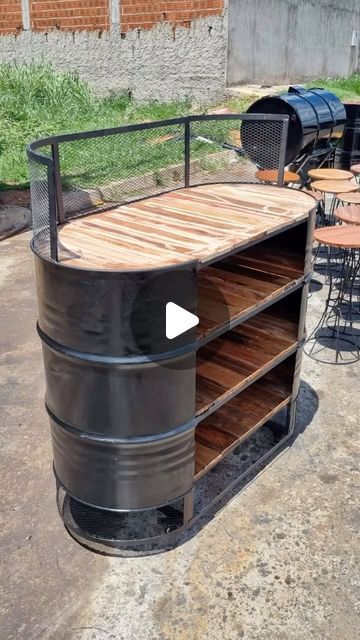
(230, 363)
(222, 431)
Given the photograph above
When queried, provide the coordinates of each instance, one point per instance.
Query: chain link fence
(78, 174)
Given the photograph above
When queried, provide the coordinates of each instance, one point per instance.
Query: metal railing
(81, 173)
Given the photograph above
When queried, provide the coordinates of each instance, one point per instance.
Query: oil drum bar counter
(138, 419)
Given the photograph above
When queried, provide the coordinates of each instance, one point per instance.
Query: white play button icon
(178, 320)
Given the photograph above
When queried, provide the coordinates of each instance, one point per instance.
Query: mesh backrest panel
(100, 170)
(40, 207)
(114, 169)
(233, 150)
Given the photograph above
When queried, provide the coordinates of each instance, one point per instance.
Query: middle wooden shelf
(228, 364)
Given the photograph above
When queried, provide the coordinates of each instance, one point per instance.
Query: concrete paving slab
(279, 562)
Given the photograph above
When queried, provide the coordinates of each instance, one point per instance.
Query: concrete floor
(279, 562)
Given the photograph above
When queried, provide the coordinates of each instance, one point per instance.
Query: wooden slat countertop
(197, 223)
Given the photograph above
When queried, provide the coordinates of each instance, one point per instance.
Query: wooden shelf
(230, 363)
(244, 284)
(225, 429)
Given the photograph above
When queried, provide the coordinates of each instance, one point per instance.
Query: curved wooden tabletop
(349, 215)
(351, 198)
(198, 223)
(334, 186)
(271, 175)
(355, 168)
(341, 236)
(330, 174)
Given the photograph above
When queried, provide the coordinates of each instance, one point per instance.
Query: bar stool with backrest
(335, 332)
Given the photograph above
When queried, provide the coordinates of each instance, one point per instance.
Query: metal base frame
(179, 523)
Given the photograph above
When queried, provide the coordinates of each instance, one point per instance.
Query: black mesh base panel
(111, 528)
(158, 530)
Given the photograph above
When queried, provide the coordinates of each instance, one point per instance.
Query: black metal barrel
(316, 117)
(348, 151)
(121, 403)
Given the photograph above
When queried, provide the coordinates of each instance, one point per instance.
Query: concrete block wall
(158, 50)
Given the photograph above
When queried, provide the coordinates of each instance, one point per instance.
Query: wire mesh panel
(117, 168)
(233, 148)
(42, 220)
(262, 142)
(82, 173)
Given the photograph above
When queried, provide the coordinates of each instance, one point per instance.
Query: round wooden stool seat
(271, 175)
(334, 187)
(330, 174)
(349, 215)
(350, 198)
(355, 169)
(342, 237)
(314, 194)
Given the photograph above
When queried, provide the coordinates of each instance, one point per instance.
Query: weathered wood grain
(349, 214)
(230, 363)
(198, 223)
(244, 282)
(222, 431)
(334, 187)
(330, 174)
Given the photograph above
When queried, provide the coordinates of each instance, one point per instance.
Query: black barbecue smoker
(316, 124)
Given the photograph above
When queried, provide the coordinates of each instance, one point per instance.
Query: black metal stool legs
(335, 332)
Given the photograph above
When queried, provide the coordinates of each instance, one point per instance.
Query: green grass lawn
(347, 88)
(36, 101)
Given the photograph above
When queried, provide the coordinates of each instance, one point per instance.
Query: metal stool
(355, 168)
(329, 174)
(270, 176)
(320, 212)
(335, 330)
(349, 198)
(349, 214)
(333, 188)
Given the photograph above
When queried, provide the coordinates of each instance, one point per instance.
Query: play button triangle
(178, 320)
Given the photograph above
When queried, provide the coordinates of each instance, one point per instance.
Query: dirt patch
(20, 197)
